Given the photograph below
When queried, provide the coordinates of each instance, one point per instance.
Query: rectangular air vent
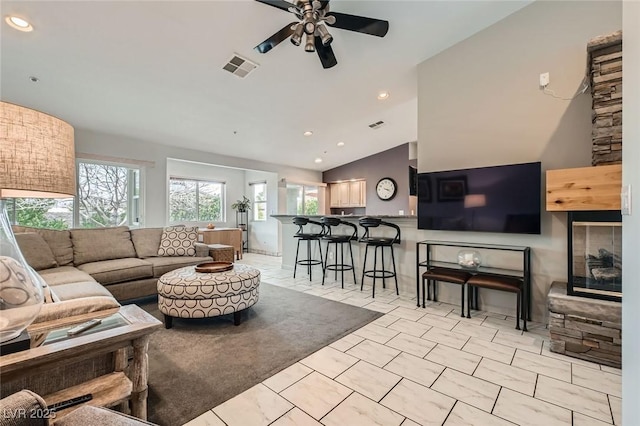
(376, 125)
(240, 66)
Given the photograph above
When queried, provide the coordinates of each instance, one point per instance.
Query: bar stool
(502, 283)
(452, 276)
(342, 239)
(301, 235)
(378, 243)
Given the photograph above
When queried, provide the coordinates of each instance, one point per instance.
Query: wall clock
(386, 188)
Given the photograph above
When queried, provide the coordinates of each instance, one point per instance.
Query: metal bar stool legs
(308, 262)
(339, 265)
(376, 273)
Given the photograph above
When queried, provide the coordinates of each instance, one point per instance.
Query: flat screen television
(487, 199)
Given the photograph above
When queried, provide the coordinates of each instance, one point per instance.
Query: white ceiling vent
(376, 125)
(240, 66)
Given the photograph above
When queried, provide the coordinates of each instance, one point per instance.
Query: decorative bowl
(469, 259)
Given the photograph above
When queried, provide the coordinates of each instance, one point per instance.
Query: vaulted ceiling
(152, 70)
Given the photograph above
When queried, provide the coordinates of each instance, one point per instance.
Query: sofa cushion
(90, 415)
(162, 265)
(69, 308)
(59, 242)
(93, 245)
(64, 275)
(35, 250)
(146, 241)
(178, 241)
(78, 290)
(118, 270)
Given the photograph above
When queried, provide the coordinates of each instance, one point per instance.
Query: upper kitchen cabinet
(349, 194)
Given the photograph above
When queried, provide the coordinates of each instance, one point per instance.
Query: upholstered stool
(453, 276)
(502, 283)
(185, 293)
(221, 252)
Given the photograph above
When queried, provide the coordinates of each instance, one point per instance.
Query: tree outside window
(195, 201)
(259, 201)
(107, 195)
(302, 199)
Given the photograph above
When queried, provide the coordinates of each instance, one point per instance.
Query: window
(107, 195)
(302, 199)
(195, 200)
(259, 191)
(41, 212)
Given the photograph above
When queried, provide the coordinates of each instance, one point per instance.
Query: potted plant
(242, 205)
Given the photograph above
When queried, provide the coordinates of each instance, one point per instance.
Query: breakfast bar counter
(405, 252)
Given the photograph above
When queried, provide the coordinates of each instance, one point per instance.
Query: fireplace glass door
(595, 254)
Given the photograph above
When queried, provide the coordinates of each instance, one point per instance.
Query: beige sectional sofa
(100, 263)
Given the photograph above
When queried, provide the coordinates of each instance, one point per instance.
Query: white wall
(479, 105)
(631, 224)
(115, 146)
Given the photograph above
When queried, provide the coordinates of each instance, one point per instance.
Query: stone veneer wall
(605, 67)
(584, 328)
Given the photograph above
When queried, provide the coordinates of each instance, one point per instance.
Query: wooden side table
(122, 328)
(226, 236)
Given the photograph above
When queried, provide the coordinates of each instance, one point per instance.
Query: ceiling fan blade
(276, 39)
(359, 24)
(324, 4)
(325, 53)
(280, 4)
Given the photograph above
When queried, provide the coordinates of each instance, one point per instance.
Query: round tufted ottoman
(185, 293)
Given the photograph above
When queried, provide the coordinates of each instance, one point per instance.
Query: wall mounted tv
(487, 199)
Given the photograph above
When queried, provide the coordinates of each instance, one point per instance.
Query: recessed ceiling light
(318, 160)
(18, 23)
(308, 133)
(340, 144)
(383, 95)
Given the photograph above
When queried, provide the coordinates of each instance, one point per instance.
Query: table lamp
(37, 160)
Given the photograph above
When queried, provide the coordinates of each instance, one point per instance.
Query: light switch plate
(625, 200)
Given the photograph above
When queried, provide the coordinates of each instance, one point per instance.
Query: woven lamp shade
(37, 154)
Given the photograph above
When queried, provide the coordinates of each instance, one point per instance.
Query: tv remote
(83, 327)
(58, 406)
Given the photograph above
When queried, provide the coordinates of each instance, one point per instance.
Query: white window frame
(223, 201)
(256, 202)
(135, 203)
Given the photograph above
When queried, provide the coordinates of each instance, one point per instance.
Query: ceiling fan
(312, 16)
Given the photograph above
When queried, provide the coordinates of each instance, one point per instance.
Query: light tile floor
(422, 366)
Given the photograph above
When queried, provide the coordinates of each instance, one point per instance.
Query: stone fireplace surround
(585, 328)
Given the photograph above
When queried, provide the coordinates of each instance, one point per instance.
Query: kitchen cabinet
(348, 194)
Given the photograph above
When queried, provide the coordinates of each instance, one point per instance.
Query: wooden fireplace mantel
(584, 188)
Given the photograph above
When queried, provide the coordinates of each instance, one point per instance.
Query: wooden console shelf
(107, 391)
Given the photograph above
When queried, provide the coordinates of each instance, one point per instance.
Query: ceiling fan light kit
(313, 15)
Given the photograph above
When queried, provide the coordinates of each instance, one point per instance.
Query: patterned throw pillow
(178, 241)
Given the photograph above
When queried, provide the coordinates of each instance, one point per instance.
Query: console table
(428, 260)
(226, 236)
(42, 368)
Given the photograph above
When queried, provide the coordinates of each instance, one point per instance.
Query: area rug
(201, 363)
